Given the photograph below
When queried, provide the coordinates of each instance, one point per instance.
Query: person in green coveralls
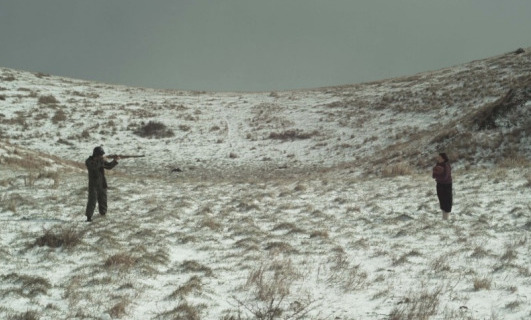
(97, 187)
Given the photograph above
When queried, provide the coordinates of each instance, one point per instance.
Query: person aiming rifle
(97, 186)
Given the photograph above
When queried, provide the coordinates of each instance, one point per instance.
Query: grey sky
(248, 45)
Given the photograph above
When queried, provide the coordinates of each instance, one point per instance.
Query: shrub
(399, 169)
(59, 116)
(184, 311)
(67, 237)
(120, 260)
(194, 266)
(8, 77)
(28, 315)
(29, 286)
(118, 310)
(154, 129)
(270, 290)
(294, 134)
(482, 283)
(421, 306)
(50, 99)
(193, 284)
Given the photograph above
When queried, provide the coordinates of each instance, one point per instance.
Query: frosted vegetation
(310, 204)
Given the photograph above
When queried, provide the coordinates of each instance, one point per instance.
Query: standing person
(442, 173)
(97, 187)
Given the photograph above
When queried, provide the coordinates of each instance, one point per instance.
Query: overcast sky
(247, 45)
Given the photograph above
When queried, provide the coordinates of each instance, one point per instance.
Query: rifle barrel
(123, 156)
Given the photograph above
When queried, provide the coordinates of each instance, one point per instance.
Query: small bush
(319, 234)
(184, 311)
(193, 284)
(482, 283)
(194, 266)
(421, 306)
(118, 310)
(399, 169)
(29, 286)
(59, 116)
(154, 129)
(271, 296)
(9, 78)
(68, 238)
(50, 99)
(28, 315)
(120, 260)
(293, 134)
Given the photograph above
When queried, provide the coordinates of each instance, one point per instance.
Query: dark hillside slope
(484, 114)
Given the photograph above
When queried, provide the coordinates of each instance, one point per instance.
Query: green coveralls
(97, 188)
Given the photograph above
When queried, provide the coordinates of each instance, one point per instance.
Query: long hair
(444, 156)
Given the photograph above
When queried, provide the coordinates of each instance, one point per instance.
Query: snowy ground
(310, 204)
(336, 249)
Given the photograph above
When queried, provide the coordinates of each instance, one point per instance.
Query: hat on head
(98, 151)
(444, 156)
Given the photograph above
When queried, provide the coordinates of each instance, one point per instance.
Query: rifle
(123, 156)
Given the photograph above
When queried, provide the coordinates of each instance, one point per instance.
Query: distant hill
(477, 112)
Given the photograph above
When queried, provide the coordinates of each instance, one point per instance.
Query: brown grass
(120, 261)
(59, 116)
(154, 129)
(293, 134)
(28, 315)
(419, 306)
(29, 286)
(50, 99)
(399, 169)
(67, 237)
(193, 284)
(483, 283)
(118, 310)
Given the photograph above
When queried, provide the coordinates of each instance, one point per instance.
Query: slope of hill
(310, 204)
(366, 126)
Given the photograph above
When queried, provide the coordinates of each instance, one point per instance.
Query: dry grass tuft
(28, 315)
(293, 134)
(419, 306)
(211, 223)
(346, 275)
(194, 266)
(50, 99)
(280, 246)
(479, 252)
(270, 292)
(483, 283)
(118, 310)
(183, 311)
(399, 169)
(319, 234)
(61, 237)
(59, 116)
(441, 263)
(29, 286)
(193, 284)
(120, 261)
(154, 129)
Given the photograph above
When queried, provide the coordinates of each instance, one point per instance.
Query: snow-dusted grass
(320, 247)
(309, 204)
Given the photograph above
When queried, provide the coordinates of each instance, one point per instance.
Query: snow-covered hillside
(397, 120)
(310, 204)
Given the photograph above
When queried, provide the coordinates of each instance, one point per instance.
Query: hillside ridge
(362, 127)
